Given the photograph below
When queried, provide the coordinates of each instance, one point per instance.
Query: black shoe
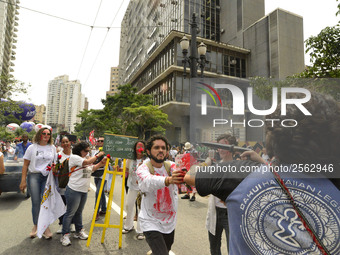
(186, 196)
(192, 198)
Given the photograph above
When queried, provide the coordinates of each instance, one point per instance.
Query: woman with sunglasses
(81, 167)
(37, 158)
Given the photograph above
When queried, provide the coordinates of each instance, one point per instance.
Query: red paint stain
(163, 204)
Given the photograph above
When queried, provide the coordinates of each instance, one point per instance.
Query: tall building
(64, 103)
(113, 81)
(241, 42)
(40, 114)
(8, 28)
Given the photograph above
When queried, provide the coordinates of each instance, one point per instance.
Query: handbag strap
(303, 219)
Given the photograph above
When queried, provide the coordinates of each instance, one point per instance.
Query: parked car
(10, 180)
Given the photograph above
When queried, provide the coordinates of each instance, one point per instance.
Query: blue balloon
(28, 126)
(27, 113)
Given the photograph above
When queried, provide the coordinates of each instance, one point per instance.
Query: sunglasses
(100, 141)
(46, 133)
(87, 151)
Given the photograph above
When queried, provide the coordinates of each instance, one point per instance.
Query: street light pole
(193, 60)
(193, 47)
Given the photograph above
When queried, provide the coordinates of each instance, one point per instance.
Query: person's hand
(54, 169)
(252, 155)
(175, 178)
(23, 186)
(100, 154)
(103, 161)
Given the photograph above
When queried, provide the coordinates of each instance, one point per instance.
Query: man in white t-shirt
(158, 213)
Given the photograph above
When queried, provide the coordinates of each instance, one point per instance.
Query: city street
(191, 237)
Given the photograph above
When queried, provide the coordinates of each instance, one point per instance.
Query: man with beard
(157, 181)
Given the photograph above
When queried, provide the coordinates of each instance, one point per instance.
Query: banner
(51, 207)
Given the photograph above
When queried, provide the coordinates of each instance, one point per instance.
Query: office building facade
(8, 28)
(40, 113)
(241, 42)
(64, 103)
(113, 81)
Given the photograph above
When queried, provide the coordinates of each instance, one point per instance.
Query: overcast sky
(48, 47)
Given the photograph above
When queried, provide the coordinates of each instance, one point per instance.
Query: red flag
(91, 137)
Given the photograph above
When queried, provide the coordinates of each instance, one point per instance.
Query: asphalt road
(191, 237)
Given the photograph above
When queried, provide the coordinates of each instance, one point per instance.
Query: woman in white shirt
(77, 188)
(132, 166)
(65, 154)
(37, 158)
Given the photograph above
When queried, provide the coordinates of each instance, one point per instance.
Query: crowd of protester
(156, 175)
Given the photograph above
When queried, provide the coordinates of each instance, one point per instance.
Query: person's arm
(2, 165)
(16, 152)
(23, 183)
(91, 160)
(100, 164)
(252, 155)
(175, 178)
(148, 182)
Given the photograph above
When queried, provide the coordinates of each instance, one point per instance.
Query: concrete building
(40, 114)
(86, 105)
(8, 37)
(64, 103)
(113, 81)
(241, 42)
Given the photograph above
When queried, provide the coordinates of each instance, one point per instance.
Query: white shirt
(159, 204)
(40, 157)
(133, 181)
(63, 156)
(81, 177)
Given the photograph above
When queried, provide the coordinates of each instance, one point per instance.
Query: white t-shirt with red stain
(159, 204)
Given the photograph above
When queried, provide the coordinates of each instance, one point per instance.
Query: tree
(324, 52)
(10, 87)
(90, 119)
(146, 119)
(125, 113)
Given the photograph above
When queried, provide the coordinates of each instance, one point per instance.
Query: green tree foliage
(90, 119)
(119, 115)
(146, 119)
(10, 87)
(324, 52)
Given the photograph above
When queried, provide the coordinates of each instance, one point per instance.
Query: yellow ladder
(108, 212)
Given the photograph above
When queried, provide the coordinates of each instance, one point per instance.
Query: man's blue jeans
(102, 203)
(75, 202)
(36, 185)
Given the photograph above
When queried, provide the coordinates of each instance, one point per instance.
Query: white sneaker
(72, 228)
(81, 235)
(60, 230)
(140, 236)
(65, 240)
